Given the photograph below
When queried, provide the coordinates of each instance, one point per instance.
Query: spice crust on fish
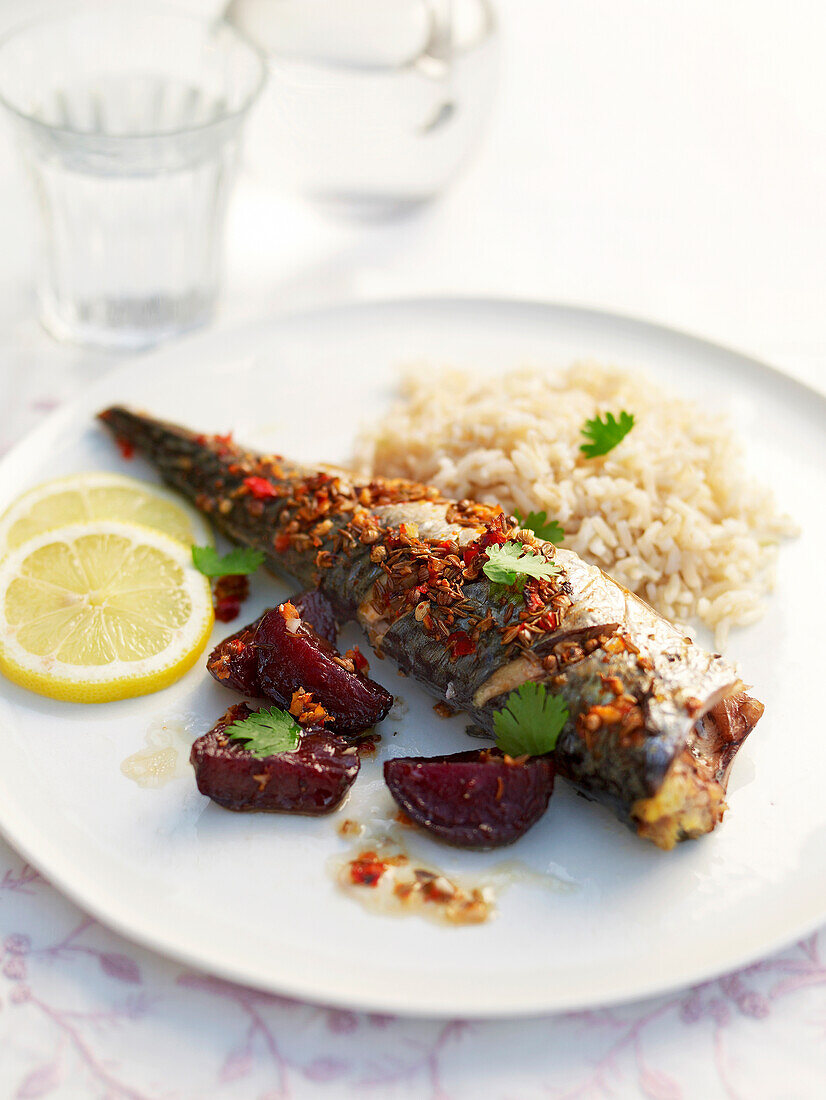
(654, 721)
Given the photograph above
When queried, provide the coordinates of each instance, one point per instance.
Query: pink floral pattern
(83, 1013)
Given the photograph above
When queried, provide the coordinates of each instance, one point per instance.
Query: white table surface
(661, 159)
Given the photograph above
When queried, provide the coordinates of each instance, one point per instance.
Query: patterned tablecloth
(84, 1013)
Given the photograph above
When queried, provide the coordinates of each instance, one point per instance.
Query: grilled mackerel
(654, 721)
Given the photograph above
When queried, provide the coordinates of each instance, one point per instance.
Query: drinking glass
(130, 120)
(372, 106)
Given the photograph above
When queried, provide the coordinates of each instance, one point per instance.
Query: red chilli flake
(260, 488)
(227, 609)
(228, 595)
(126, 449)
(222, 444)
(367, 869)
(281, 543)
(533, 601)
(358, 659)
(470, 552)
(496, 533)
(460, 644)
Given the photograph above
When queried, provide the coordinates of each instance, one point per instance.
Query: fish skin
(679, 685)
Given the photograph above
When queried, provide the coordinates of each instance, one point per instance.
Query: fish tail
(242, 492)
(197, 465)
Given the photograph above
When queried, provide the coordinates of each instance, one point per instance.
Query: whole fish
(654, 721)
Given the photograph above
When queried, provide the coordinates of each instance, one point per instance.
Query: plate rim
(393, 1001)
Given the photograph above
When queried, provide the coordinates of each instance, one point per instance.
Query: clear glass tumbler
(130, 121)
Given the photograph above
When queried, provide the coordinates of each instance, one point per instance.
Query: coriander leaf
(506, 562)
(605, 435)
(530, 722)
(266, 732)
(548, 531)
(508, 592)
(243, 559)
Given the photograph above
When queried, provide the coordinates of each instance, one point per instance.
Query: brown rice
(670, 512)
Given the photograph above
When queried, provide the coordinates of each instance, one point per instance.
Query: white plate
(250, 897)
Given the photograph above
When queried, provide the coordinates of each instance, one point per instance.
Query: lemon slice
(98, 611)
(100, 496)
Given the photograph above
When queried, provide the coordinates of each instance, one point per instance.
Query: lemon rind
(120, 679)
(201, 530)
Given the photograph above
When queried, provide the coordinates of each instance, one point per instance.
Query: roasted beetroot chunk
(281, 654)
(292, 656)
(315, 609)
(234, 661)
(312, 780)
(234, 664)
(475, 799)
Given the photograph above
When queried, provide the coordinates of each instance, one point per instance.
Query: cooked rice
(670, 512)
